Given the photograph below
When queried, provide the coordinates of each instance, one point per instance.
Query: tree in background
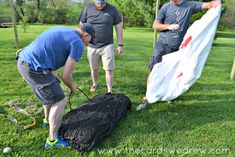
(228, 17)
(140, 13)
(20, 7)
(24, 23)
(5, 12)
(21, 12)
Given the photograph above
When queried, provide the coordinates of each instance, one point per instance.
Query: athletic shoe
(57, 143)
(142, 105)
(45, 123)
(59, 137)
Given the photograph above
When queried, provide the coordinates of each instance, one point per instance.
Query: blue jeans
(160, 50)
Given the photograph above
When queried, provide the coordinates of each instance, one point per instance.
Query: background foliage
(202, 118)
(139, 13)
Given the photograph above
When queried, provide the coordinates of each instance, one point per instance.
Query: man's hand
(173, 27)
(119, 50)
(216, 3)
(212, 4)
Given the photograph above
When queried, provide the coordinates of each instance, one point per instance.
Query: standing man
(55, 48)
(173, 22)
(103, 16)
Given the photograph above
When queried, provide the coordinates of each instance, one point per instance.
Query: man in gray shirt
(173, 21)
(103, 16)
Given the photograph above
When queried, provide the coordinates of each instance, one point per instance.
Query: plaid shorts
(43, 83)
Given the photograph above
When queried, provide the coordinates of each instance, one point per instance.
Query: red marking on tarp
(181, 74)
(187, 41)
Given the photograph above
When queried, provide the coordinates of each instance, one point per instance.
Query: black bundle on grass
(87, 125)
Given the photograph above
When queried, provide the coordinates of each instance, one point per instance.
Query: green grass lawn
(201, 122)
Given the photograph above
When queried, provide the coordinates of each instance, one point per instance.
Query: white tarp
(179, 70)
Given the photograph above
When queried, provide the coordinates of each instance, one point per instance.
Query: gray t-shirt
(103, 22)
(177, 14)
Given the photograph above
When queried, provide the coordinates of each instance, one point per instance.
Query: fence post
(155, 31)
(232, 75)
(14, 23)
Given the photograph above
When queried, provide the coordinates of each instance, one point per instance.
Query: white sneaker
(142, 105)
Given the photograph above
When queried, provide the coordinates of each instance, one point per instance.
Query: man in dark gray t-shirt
(103, 16)
(173, 21)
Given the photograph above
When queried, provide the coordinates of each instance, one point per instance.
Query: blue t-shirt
(177, 14)
(103, 22)
(51, 49)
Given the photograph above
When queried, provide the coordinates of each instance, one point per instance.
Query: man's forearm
(119, 33)
(161, 27)
(67, 76)
(68, 81)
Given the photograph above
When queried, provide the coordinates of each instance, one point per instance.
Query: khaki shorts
(107, 55)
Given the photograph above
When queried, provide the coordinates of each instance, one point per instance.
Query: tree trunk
(53, 3)
(155, 31)
(38, 10)
(14, 23)
(85, 2)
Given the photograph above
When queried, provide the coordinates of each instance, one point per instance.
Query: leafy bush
(142, 12)
(61, 14)
(228, 17)
(73, 13)
(5, 14)
(24, 23)
(31, 12)
(53, 15)
(139, 13)
(197, 16)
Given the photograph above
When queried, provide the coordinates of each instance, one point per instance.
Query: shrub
(73, 13)
(24, 23)
(228, 17)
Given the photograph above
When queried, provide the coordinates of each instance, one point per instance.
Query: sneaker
(59, 137)
(169, 102)
(45, 123)
(142, 105)
(57, 143)
(144, 98)
(108, 93)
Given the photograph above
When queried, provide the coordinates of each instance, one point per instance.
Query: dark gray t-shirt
(177, 14)
(103, 22)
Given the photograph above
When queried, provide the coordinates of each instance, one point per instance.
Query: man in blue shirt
(55, 48)
(103, 16)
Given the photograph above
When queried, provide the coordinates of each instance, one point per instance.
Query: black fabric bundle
(87, 125)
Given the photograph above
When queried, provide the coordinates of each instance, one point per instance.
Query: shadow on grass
(226, 45)
(170, 119)
(2, 110)
(225, 35)
(8, 59)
